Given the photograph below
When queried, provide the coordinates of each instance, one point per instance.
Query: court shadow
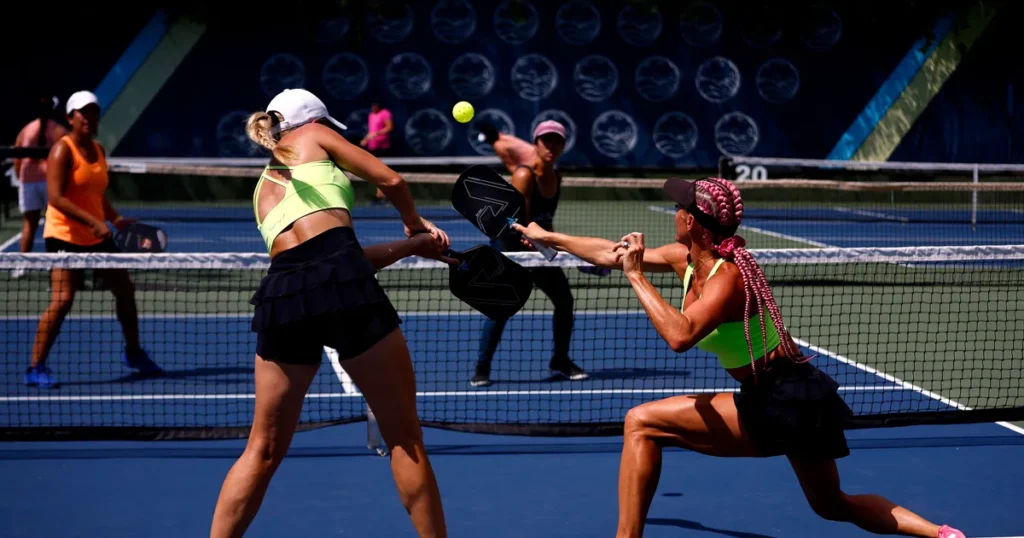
(597, 375)
(693, 525)
(638, 373)
(173, 374)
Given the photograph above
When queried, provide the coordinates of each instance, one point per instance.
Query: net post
(974, 201)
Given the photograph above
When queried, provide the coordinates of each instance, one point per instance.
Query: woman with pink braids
(785, 405)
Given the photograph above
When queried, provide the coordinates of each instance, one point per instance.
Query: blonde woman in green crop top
(785, 405)
(319, 293)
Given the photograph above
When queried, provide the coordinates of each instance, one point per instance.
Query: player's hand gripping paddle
(138, 237)
(488, 281)
(491, 204)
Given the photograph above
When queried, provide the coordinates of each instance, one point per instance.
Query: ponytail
(258, 128)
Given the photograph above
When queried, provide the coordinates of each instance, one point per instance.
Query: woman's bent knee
(637, 420)
(830, 507)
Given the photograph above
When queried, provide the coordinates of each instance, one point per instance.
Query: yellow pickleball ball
(463, 112)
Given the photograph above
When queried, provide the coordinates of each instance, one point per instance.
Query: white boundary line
(346, 381)
(14, 239)
(769, 233)
(896, 380)
(875, 214)
(422, 394)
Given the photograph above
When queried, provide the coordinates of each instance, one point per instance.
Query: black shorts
(79, 276)
(321, 293)
(794, 410)
(106, 246)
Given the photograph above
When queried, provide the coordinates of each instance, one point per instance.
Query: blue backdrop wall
(638, 83)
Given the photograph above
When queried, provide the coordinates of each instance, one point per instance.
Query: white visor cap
(299, 107)
(80, 100)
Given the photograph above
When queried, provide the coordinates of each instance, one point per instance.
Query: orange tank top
(85, 188)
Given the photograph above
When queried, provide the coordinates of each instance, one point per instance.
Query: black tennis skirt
(794, 409)
(321, 293)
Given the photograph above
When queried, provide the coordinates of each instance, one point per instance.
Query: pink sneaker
(949, 532)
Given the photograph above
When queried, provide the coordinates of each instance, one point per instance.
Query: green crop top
(314, 186)
(728, 341)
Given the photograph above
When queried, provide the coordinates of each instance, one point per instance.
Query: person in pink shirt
(378, 140)
(513, 151)
(41, 132)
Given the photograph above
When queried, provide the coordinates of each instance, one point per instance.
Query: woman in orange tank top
(76, 216)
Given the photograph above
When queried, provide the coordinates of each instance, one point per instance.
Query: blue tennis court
(493, 485)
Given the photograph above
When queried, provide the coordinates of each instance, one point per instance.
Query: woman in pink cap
(541, 184)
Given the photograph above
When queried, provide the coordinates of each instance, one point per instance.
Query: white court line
(769, 233)
(346, 381)
(873, 214)
(17, 237)
(896, 380)
(421, 394)
(14, 239)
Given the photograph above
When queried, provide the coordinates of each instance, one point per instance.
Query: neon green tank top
(728, 341)
(313, 187)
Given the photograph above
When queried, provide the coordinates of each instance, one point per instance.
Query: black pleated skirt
(321, 293)
(794, 409)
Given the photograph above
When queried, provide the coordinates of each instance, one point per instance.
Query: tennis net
(914, 335)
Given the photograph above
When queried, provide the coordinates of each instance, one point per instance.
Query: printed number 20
(757, 173)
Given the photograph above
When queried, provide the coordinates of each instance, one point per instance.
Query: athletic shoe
(140, 361)
(40, 376)
(567, 369)
(949, 532)
(482, 377)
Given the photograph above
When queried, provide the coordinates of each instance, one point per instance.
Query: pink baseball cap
(549, 126)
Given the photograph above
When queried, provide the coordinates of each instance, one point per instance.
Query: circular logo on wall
(281, 72)
(500, 120)
(701, 24)
(561, 117)
(428, 131)
(675, 134)
(534, 77)
(408, 76)
(777, 81)
(345, 76)
(657, 78)
(639, 23)
(736, 134)
(614, 133)
(718, 79)
(390, 22)
(516, 22)
(578, 22)
(595, 78)
(453, 21)
(471, 76)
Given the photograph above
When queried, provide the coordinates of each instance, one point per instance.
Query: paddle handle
(549, 253)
